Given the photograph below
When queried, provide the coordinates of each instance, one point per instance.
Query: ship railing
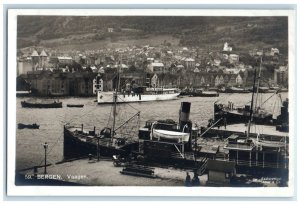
(239, 146)
(85, 128)
(253, 163)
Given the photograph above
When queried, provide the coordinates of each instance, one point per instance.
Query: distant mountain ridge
(191, 30)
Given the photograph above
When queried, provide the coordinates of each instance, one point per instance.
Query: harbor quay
(84, 172)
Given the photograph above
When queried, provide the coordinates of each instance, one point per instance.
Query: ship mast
(115, 100)
(258, 81)
(251, 107)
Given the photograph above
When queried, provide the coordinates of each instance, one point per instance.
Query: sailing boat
(80, 142)
(235, 115)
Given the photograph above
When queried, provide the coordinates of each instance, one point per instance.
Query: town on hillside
(44, 71)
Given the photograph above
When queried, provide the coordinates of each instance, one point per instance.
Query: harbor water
(29, 142)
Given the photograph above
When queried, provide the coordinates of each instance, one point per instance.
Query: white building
(154, 81)
(233, 58)
(156, 67)
(274, 51)
(227, 47)
(65, 59)
(110, 30)
(97, 84)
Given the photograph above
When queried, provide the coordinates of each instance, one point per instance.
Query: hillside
(75, 32)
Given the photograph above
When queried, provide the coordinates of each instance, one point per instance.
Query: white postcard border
(13, 190)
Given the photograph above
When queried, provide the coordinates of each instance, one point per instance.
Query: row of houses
(45, 83)
(215, 79)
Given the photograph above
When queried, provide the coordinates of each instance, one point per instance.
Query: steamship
(172, 143)
(158, 142)
(141, 94)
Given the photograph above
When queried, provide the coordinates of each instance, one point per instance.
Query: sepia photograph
(189, 99)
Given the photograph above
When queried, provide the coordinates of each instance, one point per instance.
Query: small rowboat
(41, 105)
(75, 105)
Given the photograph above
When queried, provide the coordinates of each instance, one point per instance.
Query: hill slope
(243, 32)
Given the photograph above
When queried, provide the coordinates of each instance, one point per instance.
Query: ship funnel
(184, 113)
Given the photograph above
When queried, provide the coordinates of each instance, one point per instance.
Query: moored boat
(205, 93)
(28, 126)
(110, 141)
(54, 104)
(231, 114)
(75, 105)
(234, 90)
(144, 95)
(80, 142)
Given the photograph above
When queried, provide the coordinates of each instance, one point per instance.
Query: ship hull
(206, 95)
(75, 147)
(107, 97)
(41, 105)
(234, 118)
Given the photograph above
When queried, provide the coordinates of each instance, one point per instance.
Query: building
(214, 79)
(43, 59)
(227, 47)
(35, 60)
(233, 58)
(274, 51)
(154, 81)
(220, 172)
(281, 76)
(23, 67)
(65, 59)
(156, 67)
(97, 84)
(189, 63)
(47, 83)
(196, 70)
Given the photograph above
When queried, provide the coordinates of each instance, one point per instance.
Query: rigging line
(109, 116)
(275, 93)
(129, 105)
(274, 106)
(121, 126)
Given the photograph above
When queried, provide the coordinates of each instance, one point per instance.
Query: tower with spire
(35, 60)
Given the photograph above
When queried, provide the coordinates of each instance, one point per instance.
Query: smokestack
(184, 114)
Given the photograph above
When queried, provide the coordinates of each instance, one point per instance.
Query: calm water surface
(30, 151)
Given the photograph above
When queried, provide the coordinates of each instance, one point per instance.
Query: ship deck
(261, 129)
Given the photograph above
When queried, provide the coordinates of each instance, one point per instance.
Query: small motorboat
(75, 105)
(30, 126)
